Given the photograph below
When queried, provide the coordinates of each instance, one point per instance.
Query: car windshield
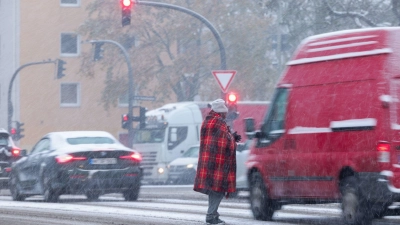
(149, 136)
(193, 152)
(3, 140)
(90, 140)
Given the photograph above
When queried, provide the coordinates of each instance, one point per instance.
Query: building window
(69, 44)
(70, 3)
(70, 95)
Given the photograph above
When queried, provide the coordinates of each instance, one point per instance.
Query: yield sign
(224, 78)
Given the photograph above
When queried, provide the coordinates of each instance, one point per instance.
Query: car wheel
(261, 204)
(354, 205)
(49, 194)
(92, 195)
(15, 188)
(132, 194)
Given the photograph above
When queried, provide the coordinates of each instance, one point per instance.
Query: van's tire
(380, 209)
(261, 205)
(15, 188)
(355, 208)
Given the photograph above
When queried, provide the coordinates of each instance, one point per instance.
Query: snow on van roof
(349, 31)
(343, 44)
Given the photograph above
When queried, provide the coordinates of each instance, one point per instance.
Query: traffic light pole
(10, 106)
(199, 17)
(202, 19)
(131, 91)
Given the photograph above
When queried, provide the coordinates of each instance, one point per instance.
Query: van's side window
(274, 123)
(176, 135)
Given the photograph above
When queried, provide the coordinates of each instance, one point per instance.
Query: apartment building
(38, 31)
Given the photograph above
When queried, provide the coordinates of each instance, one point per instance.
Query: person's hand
(227, 195)
(237, 136)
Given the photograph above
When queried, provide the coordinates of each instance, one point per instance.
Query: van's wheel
(380, 209)
(132, 194)
(15, 188)
(261, 205)
(49, 194)
(354, 205)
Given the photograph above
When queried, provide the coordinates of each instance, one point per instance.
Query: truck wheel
(261, 204)
(132, 194)
(49, 194)
(15, 188)
(354, 205)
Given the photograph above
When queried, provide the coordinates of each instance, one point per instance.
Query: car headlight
(160, 170)
(191, 165)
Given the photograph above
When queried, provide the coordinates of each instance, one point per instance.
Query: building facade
(47, 30)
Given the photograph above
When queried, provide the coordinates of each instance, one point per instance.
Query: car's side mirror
(249, 127)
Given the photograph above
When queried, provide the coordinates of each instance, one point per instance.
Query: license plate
(103, 161)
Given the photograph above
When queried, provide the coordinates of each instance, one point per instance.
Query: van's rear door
(395, 125)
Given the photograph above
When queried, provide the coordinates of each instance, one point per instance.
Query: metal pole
(202, 19)
(10, 106)
(131, 91)
(199, 17)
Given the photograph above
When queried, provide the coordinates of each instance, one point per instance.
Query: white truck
(173, 128)
(169, 132)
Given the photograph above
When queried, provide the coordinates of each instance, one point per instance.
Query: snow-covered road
(187, 208)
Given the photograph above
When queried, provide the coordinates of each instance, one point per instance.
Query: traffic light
(125, 121)
(16, 132)
(60, 68)
(98, 51)
(126, 6)
(231, 101)
(142, 117)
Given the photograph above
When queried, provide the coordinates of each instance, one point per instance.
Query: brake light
(134, 156)
(68, 158)
(16, 152)
(383, 152)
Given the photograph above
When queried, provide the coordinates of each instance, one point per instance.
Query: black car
(8, 154)
(77, 162)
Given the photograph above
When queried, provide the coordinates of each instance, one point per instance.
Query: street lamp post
(10, 110)
(131, 91)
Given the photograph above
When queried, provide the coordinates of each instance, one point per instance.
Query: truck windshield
(149, 136)
(193, 152)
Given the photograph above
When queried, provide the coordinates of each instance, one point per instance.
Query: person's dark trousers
(214, 199)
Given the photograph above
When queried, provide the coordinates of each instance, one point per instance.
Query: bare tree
(173, 54)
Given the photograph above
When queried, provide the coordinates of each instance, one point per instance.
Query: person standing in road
(216, 168)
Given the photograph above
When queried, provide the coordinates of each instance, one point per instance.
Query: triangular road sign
(224, 78)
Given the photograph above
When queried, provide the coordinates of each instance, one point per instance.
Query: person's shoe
(215, 221)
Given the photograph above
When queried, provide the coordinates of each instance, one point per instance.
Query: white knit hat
(219, 106)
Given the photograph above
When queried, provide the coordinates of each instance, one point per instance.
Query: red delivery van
(332, 130)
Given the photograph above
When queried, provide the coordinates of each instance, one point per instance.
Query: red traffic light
(126, 3)
(231, 98)
(125, 117)
(13, 131)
